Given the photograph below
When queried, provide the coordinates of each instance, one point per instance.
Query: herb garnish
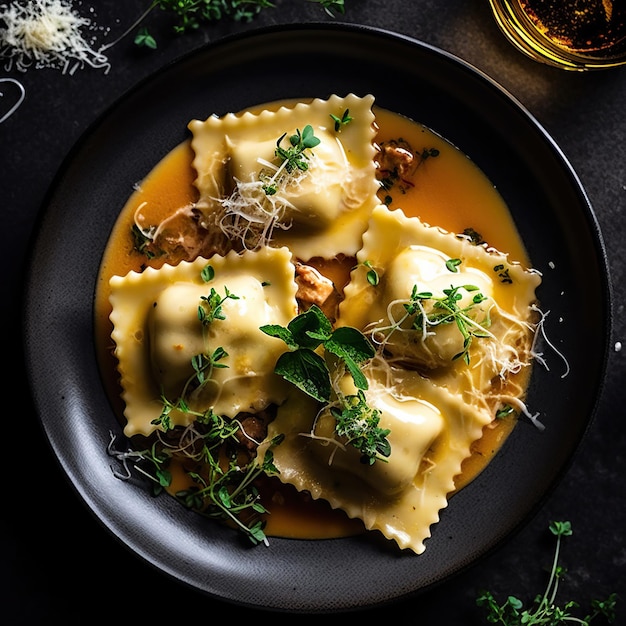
(225, 487)
(446, 310)
(225, 490)
(423, 309)
(344, 120)
(544, 611)
(191, 14)
(309, 371)
(293, 158)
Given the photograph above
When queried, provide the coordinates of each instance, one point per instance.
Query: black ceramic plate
(551, 211)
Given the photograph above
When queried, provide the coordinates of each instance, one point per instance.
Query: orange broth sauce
(449, 191)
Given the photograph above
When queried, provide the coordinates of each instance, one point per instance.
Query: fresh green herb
(189, 15)
(372, 275)
(210, 307)
(358, 423)
(446, 310)
(144, 39)
(504, 411)
(230, 494)
(309, 371)
(208, 273)
(226, 488)
(305, 368)
(344, 120)
(209, 310)
(332, 5)
(293, 158)
(544, 611)
(143, 242)
(453, 265)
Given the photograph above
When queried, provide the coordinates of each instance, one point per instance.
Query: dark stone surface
(60, 566)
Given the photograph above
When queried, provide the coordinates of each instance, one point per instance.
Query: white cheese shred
(47, 34)
(21, 94)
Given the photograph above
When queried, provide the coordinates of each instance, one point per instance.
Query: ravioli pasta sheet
(431, 434)
(321, 214)
(406, 252)
(157, 332)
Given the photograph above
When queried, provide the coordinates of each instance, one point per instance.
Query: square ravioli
(431, 431)
(317, 201)
(461, 314)
(159, 333)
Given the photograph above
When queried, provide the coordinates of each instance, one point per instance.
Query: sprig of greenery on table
(190, 14)
(544, 611)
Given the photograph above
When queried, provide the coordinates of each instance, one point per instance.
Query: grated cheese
(47, 34)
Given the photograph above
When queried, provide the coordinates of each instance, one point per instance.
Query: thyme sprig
(446, 310)
(225, 487)
(342, 121)
(359, 424)
(544, 611)
(230, 494)
(423, 309)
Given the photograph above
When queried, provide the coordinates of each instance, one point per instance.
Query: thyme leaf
(190, 15)
(358, 423)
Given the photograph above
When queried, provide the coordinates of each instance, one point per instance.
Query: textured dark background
(57, 565)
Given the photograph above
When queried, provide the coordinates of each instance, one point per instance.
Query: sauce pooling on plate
(413, 201)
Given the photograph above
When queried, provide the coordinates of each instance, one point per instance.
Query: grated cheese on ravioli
(322, 211)
(431, 434)
(435, 405)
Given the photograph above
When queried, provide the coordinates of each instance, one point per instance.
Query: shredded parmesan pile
(47, 34)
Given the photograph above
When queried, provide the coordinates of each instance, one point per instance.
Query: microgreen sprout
(544, 611)
(189, 15)
(359, 424)
(424, 309)
(453, 265)
(330, 6)
(292, 158)
(225, 489)
(446, 310)
(344, 120)
(372, 275)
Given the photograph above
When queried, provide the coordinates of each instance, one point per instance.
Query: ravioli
(318, 212)
(431, 431)
(406, 253)
(157, 333)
